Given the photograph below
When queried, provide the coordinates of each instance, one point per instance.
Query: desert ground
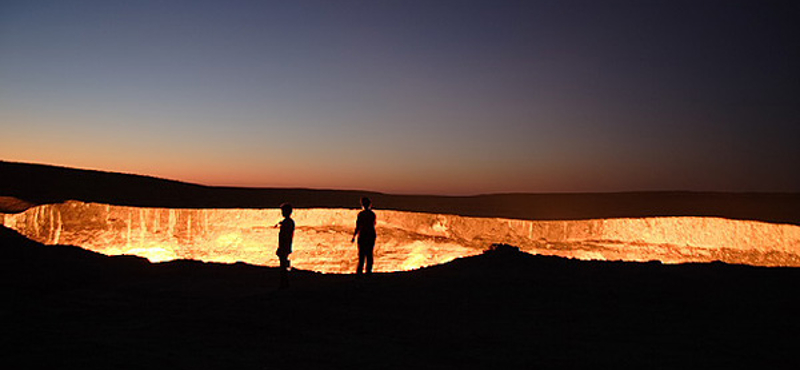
(66, 307)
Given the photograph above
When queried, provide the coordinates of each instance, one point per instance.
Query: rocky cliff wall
(407, 240)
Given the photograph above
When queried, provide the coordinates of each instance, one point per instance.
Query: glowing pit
(406, 240)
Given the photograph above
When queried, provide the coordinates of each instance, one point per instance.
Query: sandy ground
(66, 307)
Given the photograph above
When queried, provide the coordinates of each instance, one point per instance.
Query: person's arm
(358, 228)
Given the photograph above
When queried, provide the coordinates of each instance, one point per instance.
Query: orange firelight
(406, 240)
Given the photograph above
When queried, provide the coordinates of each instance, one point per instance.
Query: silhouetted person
(285, 237)
(365, 231)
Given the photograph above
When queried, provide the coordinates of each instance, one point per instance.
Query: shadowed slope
(69, 307)
(48, 184)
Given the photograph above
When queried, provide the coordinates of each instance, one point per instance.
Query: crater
(406, 240)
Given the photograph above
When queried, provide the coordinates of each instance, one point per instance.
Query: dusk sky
(436, 97)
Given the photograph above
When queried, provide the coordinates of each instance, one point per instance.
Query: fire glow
(406, 240)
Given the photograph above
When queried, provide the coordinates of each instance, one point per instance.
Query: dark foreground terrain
(68, 308)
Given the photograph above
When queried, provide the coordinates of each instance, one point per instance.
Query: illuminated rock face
(406, 240)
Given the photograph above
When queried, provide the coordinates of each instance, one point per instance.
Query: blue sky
(445, 97)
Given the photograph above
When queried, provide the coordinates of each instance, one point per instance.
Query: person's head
(366, 203)
(286, 209)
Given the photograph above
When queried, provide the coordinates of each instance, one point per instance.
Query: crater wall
(406, 240)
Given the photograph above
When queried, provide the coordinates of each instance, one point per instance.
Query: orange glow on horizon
(194, 168)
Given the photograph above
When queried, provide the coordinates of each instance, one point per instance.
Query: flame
(406, 240)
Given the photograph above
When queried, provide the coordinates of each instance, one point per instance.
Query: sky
(418, 97)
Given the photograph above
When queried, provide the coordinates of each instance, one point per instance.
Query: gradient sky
(440, 97)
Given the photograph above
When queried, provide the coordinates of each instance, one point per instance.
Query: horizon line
(566, 192)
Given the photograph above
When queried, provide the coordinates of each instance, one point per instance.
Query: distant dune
(40, 184)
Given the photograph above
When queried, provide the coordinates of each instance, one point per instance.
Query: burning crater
(406, 240)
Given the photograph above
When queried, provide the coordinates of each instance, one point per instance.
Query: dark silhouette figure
(285, 237)
(365, 231)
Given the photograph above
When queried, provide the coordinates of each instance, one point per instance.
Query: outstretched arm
(358, 229)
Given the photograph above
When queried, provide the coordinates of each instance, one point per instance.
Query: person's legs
(367, 249)
(361, 257)
(284, 271)
(369, 263)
